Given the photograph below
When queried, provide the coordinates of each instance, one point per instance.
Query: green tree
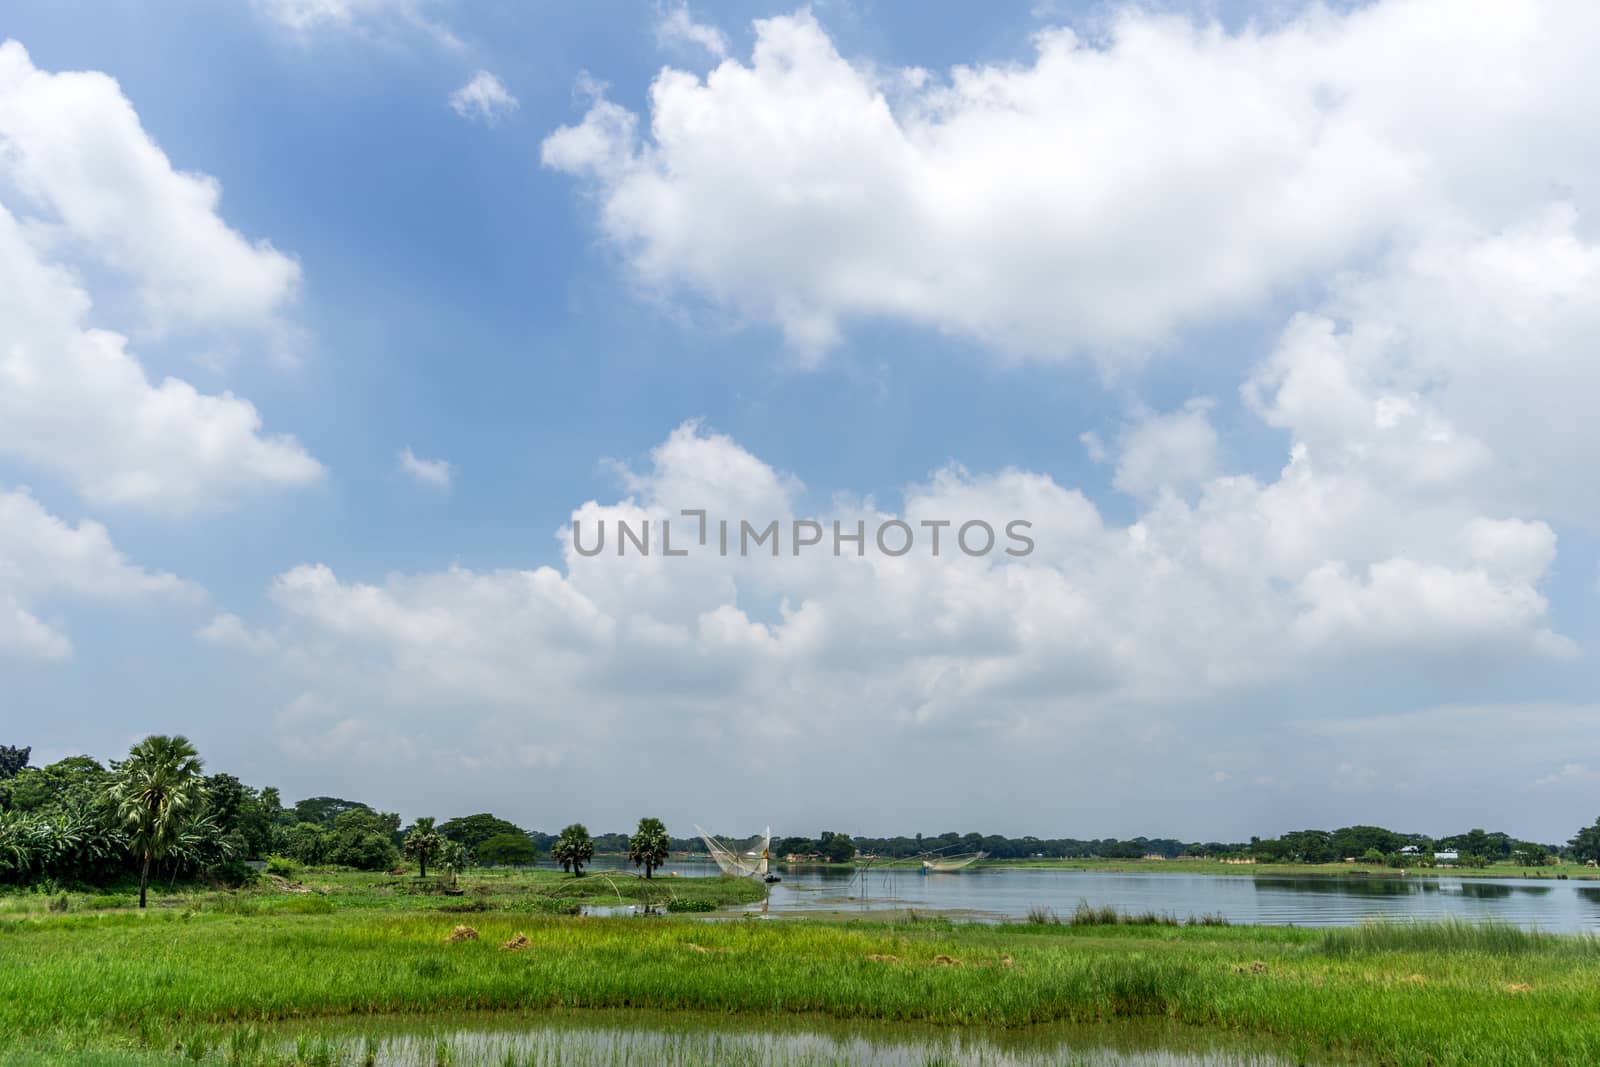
(1359, 840)
(453, 857)
(1585, 845)
(649, 845)
(77, 781)
(506, 850)
(325, 811)
(1475, 842)
(836, 847)
(573, 849)
(12, 760)
(1528, 854)
(308, 843)
(364, 839)
(422, 843)
(474, 830)
(157, 791)
(20, 851)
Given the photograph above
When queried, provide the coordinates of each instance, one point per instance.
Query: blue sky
(1292, 376)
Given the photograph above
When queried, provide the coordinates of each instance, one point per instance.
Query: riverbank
(1555, 872)
(168, 980)
(316, 890)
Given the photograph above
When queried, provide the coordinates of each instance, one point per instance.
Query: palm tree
(453, 858)
(422, 841)
(20, 844)
(573, 849)
(157, 792)
(649, 845)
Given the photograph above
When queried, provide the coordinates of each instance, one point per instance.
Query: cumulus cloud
(1172, 175)
(1203, 599)
(1096, 197)
(1162, 451)
(73, 398)
(483, 99)
(43, 559)
(1482, 342)
(433, 473)
(677, 29)
(92, 182)
(1405, 188)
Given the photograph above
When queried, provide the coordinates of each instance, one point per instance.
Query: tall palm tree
(423, 841)
(573, 849)
(157, 792)
(453, 858)
(649, 846)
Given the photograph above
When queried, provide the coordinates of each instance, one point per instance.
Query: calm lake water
(998, 893)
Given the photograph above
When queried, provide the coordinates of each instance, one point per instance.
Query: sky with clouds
(322, 322)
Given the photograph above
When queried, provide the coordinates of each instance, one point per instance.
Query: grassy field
(496, 889)
(121, 988)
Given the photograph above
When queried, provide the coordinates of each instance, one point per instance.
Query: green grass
(318, 890)
(1426, 994)
(1455, 936)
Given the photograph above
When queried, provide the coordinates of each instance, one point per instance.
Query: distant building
(1446, 857)
(1411, 850)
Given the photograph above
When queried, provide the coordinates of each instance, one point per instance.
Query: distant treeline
(69, 822)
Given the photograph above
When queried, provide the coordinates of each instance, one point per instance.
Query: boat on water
(936, 864)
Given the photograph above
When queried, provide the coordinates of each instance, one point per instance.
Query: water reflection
(681, 1040)
(1365, 887)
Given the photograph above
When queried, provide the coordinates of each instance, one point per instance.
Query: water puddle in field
(649, 1039)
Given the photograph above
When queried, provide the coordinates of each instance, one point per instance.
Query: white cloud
(433, 473)
(90, 181)
(1400, 603)
(1485, 340)
(1097, 197)
(23, 634)
(378, 19)
(484, 99)
(1197, 602)
(43, 559)
(227, 630)
(73, 399)
(677, 29)
(1162, 451)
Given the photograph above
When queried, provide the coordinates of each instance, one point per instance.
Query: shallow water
(995, 893)
(582, 1039)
